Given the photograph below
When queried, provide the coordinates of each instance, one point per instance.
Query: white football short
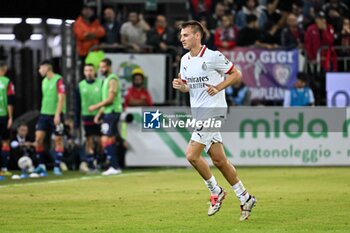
(206, 138)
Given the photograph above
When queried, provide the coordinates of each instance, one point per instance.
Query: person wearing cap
(300, 95)
(138, 95)
(51, 118)
(318, 35)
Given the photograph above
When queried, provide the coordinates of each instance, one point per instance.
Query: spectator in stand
(249, 34)
(137, 95)
(111, 26)
(225, 36)
(344, 40)
(292, 36)
(271, 11)
(161, 36)
(335, 11)
(251, 7)
(180, 50)
(300, 95)
(200, 8)
(21, 146)
(238, 95)
(318, 35)
(297, 10)
(134, 32)
(230, 6)
(208, 38)
(286, 7)
(88, 31)
(270, 38)
(213, 21)
(309, 11)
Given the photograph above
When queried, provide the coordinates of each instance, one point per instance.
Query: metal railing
(340, 57)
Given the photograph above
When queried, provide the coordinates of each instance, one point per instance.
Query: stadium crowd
(287, 24)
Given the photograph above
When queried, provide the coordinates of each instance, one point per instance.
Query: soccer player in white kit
(202, 74)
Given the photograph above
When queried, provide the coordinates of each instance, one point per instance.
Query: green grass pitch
(176, 200)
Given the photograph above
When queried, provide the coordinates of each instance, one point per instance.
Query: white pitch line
(74, 179)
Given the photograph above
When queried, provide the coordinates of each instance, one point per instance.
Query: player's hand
(97, 119)
(177, 82)
(9, 123)
(57, 119)
(211, 89)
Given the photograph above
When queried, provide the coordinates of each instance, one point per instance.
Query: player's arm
(61, 99)
(223, 65)
(179, 84)
(77, 108)
(97, 118)
(234, 76)
(112, 90)
(10, 103)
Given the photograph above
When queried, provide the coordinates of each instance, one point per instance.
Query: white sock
(241, 193)
(213, 186)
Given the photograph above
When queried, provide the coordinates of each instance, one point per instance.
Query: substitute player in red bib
(202, 74)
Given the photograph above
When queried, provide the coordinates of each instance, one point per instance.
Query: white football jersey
(209, 67)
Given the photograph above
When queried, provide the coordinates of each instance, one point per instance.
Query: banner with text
(278, 136)
(268, 73)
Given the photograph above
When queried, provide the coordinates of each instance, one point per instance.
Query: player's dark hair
(46, 62)
(3, 64)
(196, 27)
(107, 61)
(90, 64)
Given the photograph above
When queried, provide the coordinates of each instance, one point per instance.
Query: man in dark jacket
(111, 26)
(160, 36)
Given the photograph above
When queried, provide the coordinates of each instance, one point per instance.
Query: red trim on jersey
(61, 89)
(39, 149)
(88, 123)
(230, 69)
(10, 89)
(5, 148)
(203, 50)
(59, 149)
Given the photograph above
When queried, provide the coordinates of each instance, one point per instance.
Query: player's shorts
(46, 123)
(4, 131)
(109, 125)
(206, 138)
(90, 128)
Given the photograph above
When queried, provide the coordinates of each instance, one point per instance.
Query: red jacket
(230, 38)
(137, 94)
(81, 28)
(207, 5)
(313, 40)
